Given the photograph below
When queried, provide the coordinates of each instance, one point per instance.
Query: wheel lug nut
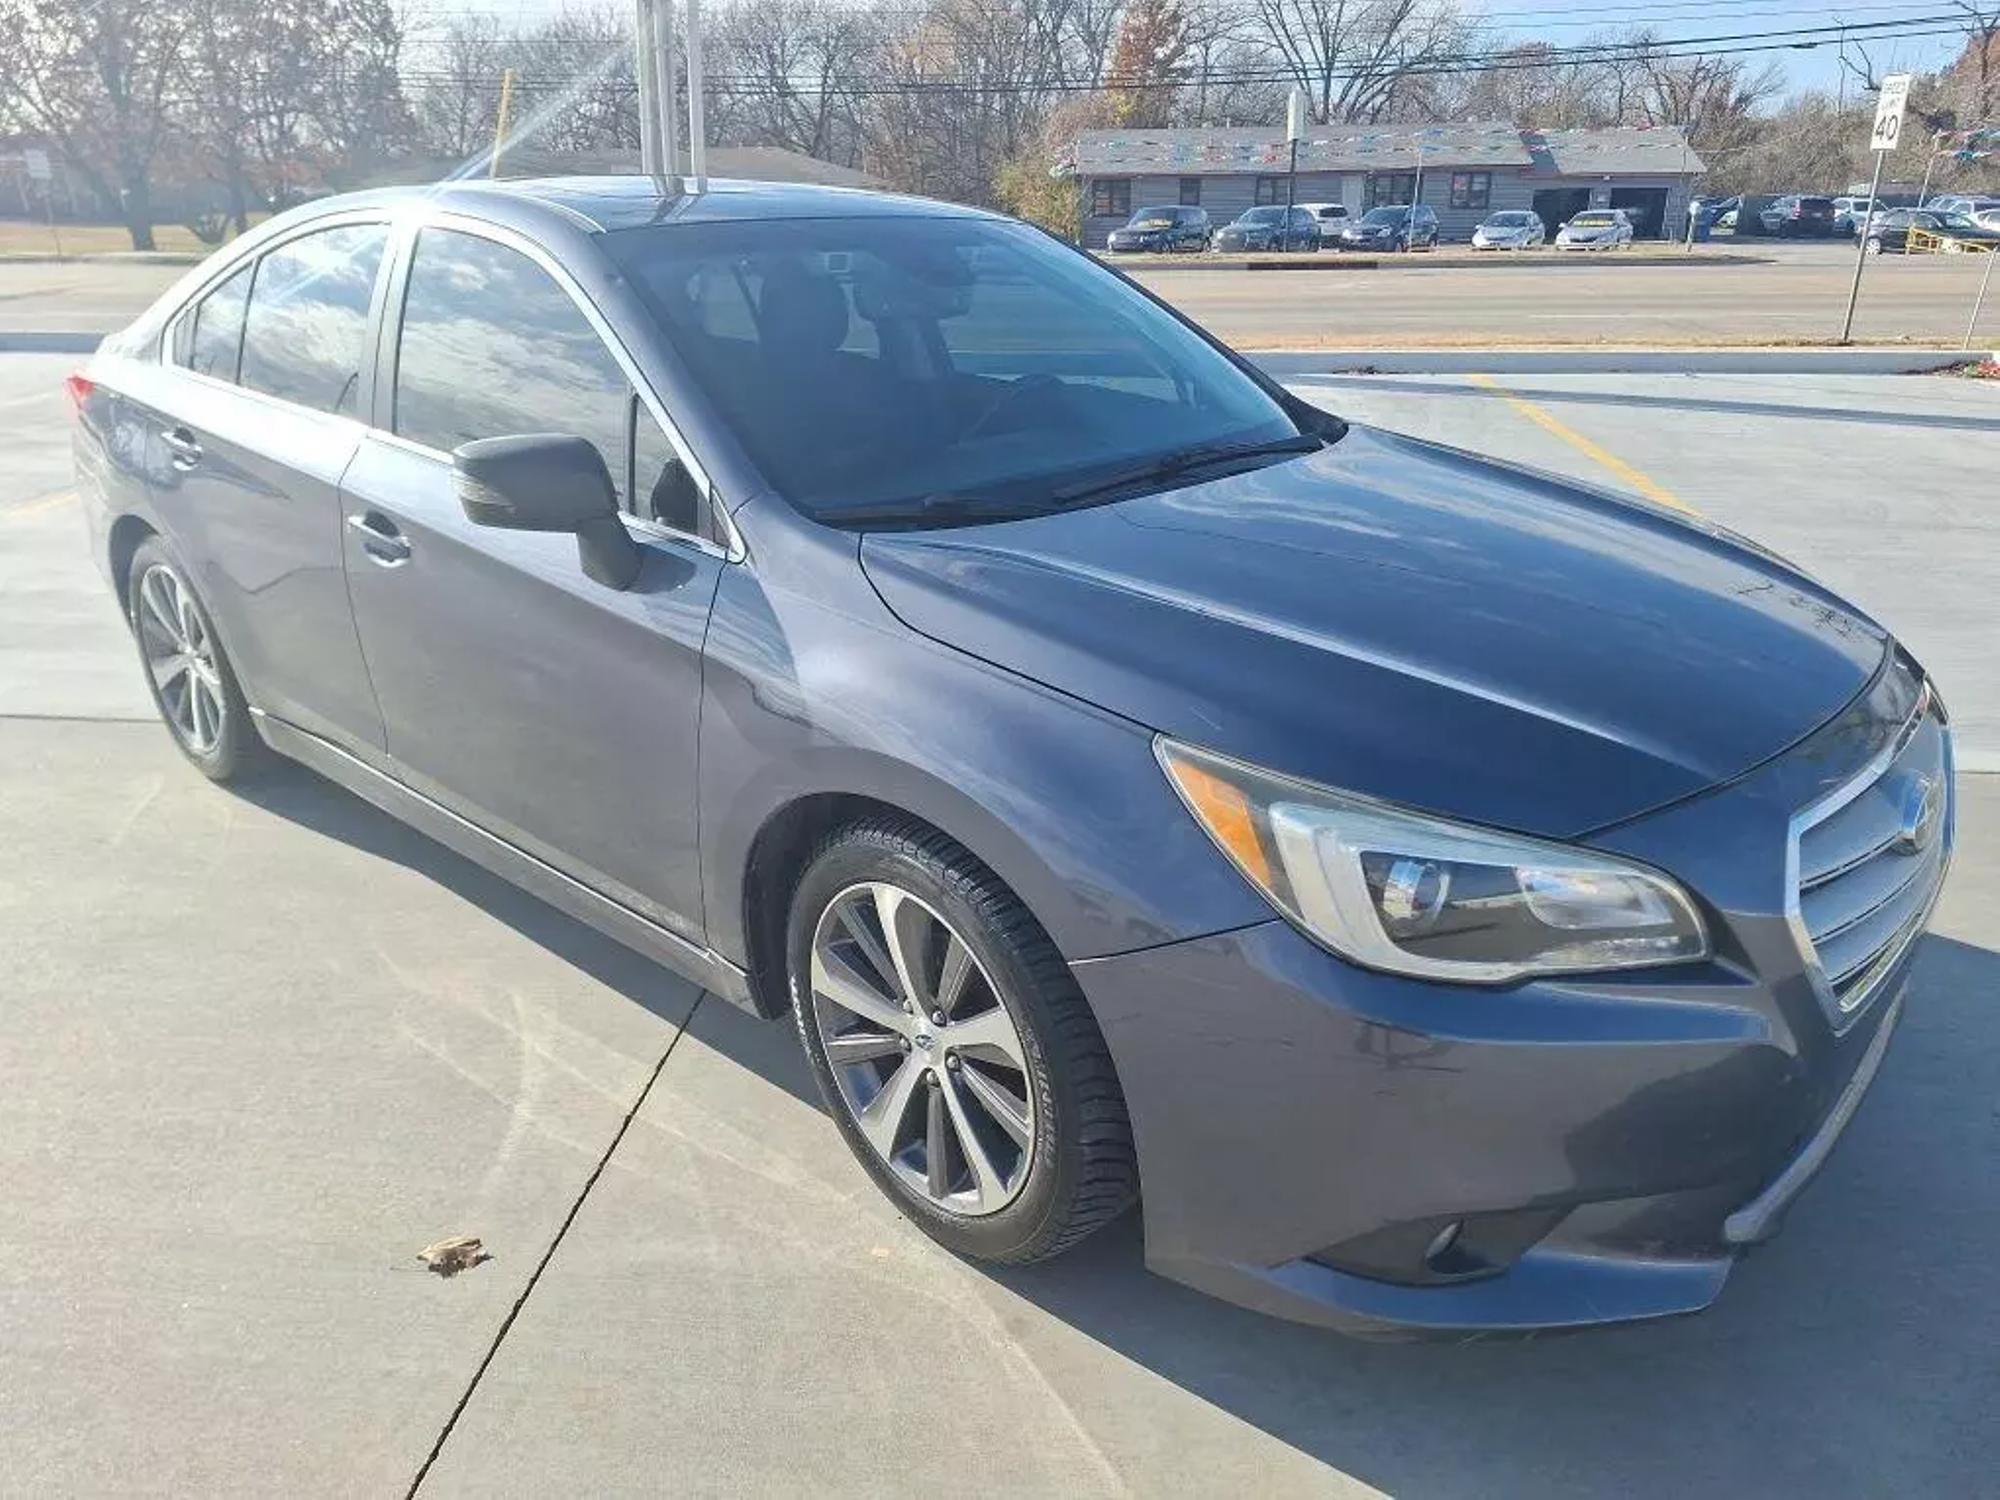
(903, 1042)
(951, 1061)
(937, 1018)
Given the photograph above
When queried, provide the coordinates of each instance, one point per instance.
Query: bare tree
(1979, 67)
(96, 79)
(1352, 56)
(787, 63)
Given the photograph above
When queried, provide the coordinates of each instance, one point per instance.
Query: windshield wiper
(1184, 461)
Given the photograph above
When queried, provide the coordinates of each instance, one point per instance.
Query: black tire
(1082, 1172)
(235, 749)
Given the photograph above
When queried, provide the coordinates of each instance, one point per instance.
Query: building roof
(1357, 148)
(1658, 150)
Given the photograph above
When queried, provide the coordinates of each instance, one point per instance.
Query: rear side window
(308, 323)
(492, 345)
(215, 328)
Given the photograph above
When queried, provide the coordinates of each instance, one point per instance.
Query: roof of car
(607, 204)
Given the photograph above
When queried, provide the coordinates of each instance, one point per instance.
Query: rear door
(552, 710)
(256, 418)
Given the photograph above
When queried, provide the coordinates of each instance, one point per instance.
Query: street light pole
(1295, 127)
(697, 131)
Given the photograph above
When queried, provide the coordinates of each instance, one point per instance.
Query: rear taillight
(79, 387)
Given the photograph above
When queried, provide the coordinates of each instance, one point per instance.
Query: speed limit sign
(1889, 112)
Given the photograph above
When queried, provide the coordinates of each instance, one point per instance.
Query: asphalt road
(1799, 295)
(261, 1046)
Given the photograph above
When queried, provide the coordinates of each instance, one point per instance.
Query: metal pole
(500, 121)
(647, 67)
(1416, 197)
(670, 125)
(697, 134)
(1980, 302)
(1861, 253)
(1291, 196)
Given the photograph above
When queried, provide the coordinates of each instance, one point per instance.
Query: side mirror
(546, 481)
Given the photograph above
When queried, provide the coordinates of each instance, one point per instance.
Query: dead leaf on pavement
(449, 1257)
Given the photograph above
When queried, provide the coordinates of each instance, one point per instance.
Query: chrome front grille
(1867, 862)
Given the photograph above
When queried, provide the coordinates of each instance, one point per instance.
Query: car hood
(1410, 622)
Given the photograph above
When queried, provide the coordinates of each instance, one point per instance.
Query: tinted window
(662, 488)
(216, 328)
(1001, 365)
(1261, 216)
(491, 345)
(308, 322)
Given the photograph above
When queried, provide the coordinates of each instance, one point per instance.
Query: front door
(557, 713)
(253, 422)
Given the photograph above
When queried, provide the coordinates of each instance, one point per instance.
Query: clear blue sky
(1563, 22)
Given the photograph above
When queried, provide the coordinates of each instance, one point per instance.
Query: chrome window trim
(1843, 1015)
(443, 218)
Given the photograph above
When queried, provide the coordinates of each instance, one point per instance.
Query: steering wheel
(1019, 386)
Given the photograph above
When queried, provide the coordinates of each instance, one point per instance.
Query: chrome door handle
(380, 539)
(181, 444)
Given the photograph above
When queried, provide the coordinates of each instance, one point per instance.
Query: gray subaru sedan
(1446, 898)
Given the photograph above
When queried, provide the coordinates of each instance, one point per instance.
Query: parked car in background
(1271, 227)
(1392, 227)
(1798, 216)
(1727, 213)
(1889, 233)
(1988, 218)
(1510, 229)
(1331, 219)
(1851, 214)
(1162, 230)
(1596, 229)
(1961, 203)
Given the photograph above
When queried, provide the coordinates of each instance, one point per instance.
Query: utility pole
(697, 130)
(1895, 98)
(500, 121)
(659, 142)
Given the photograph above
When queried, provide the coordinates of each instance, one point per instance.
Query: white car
(1596, 229)
(1511, 229)
(1331, 218)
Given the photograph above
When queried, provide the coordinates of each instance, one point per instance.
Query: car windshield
(1593, 220)
(1260, 216)
(876, 364)
(1152, 218)
(1508, 221)
(1386, 215)
(1956, 221)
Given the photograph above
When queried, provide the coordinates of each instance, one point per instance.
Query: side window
(214, 329)
(492, 345)
(307, 328)
(662, 488)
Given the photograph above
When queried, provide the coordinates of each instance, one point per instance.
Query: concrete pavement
(260, 1047)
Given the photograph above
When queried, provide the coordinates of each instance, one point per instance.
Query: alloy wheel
(928, 1059)
(180, 654)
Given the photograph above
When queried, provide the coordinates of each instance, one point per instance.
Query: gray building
(1467, 172)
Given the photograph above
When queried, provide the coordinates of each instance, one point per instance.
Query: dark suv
(1797, 216)
(1162, 229)
(1463, 899)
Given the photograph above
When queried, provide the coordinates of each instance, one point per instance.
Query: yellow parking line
(1644, 483)
(36, 507)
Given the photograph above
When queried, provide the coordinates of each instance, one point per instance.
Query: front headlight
(1412, 894)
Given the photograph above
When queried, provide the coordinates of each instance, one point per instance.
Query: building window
(1391, 189)
(1110, 197)
(1471, 189)
(1270, 190)
(1190, 192)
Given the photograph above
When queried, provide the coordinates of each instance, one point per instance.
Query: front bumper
(1391, 1157)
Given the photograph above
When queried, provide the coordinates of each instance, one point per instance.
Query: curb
(1888, 360)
